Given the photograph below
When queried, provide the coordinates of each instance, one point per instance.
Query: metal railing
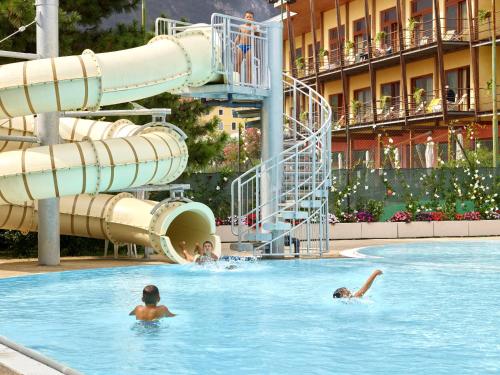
(243, 48)
(240, 48)
(483, 28)
(302, 200)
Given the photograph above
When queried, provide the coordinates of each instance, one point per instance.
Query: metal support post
(272, 129)
(47, 41)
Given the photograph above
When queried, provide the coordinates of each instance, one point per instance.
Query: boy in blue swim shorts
(244, 45)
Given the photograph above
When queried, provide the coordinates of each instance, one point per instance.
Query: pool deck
(21, 267)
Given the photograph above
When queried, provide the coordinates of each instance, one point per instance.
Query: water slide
(100, 156)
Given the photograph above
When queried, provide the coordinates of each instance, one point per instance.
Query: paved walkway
(20, 267)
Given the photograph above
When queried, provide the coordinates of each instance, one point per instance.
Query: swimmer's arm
(214, 256)
(167, 313)
(368, 284)
(133, 311)
(188, 256)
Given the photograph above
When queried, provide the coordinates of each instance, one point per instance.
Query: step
(279, 226)
(243, 246)
(258, 237)
(294, 215)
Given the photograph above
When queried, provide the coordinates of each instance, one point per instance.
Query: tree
(205, 142)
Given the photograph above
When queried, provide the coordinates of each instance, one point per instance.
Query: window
(443, 151)
(221, 125)
(338, 160)
(298, 52)
(393, 91)
(419, 155)
(362, 159)
(456, 16)
(363, 111)
(233, 126)
(360, 36)
(425, 83)
(221, 112)
(310, 54)
(389, 25)
(421, 13)
(336, 104)
(333, 43)
(459, 82)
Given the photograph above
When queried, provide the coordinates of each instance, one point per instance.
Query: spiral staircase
(298, 223)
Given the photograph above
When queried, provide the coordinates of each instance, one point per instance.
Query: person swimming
(346, 293)
(201, 254)
(150, 312)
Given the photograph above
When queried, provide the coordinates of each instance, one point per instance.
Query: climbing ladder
(293, 219)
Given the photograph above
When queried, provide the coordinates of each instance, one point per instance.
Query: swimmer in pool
(201, 254)
(149, 312)
(346, 293)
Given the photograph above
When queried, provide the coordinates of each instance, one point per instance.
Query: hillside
(195, 10)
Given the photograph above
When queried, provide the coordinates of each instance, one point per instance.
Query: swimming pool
(436, 310)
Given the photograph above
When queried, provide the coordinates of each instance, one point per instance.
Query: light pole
(47, 46)
(143, 19)
(494, 85)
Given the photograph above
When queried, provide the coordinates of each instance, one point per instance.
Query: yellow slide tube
(88, 81)
(125, 219)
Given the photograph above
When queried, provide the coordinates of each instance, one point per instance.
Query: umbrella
(458, 151)
(339, 160)
(367, 159)
(429, 153)
(396, 158)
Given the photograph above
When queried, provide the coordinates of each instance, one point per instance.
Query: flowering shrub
(430, 216)
(347, 218)
(401, 217)
(472, 215)
(364, 217)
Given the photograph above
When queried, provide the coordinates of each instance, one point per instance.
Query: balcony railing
(392, 109)
(419, 35)
(483, 27)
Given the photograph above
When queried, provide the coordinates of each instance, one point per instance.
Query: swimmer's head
(150, 295)
(342, 293)
(208, 247)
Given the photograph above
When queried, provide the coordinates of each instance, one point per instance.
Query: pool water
(436, 310)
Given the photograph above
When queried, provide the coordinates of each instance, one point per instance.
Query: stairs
(299, 217)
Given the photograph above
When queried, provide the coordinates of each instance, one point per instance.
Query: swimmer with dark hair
(346, 293)
(150, 312)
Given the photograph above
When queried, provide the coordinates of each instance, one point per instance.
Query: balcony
(391, 110)
(419, 41)
(483, 27)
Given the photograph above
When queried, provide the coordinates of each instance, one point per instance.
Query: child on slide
(201, 254)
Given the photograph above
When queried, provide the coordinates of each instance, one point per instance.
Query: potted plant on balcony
(384, 103)
(349, 47)
(323, 56)
(299, 63)
(381, 38)
(484, 16)
(356, 109)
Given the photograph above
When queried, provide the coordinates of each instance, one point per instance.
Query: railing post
(272, 129)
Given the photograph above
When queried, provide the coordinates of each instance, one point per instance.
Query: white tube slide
(124, 219)
(103, 156)
(88, 81)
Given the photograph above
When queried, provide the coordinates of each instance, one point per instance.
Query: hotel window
(459, 81)
(310, 54)
(426, 83)
(421, 13)
(393, 91)
(456, 16)
(233, 126)
(336, 104)
(389, 25)
(363, 112)
(360, 37)
(221, 112)
(333, 43)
